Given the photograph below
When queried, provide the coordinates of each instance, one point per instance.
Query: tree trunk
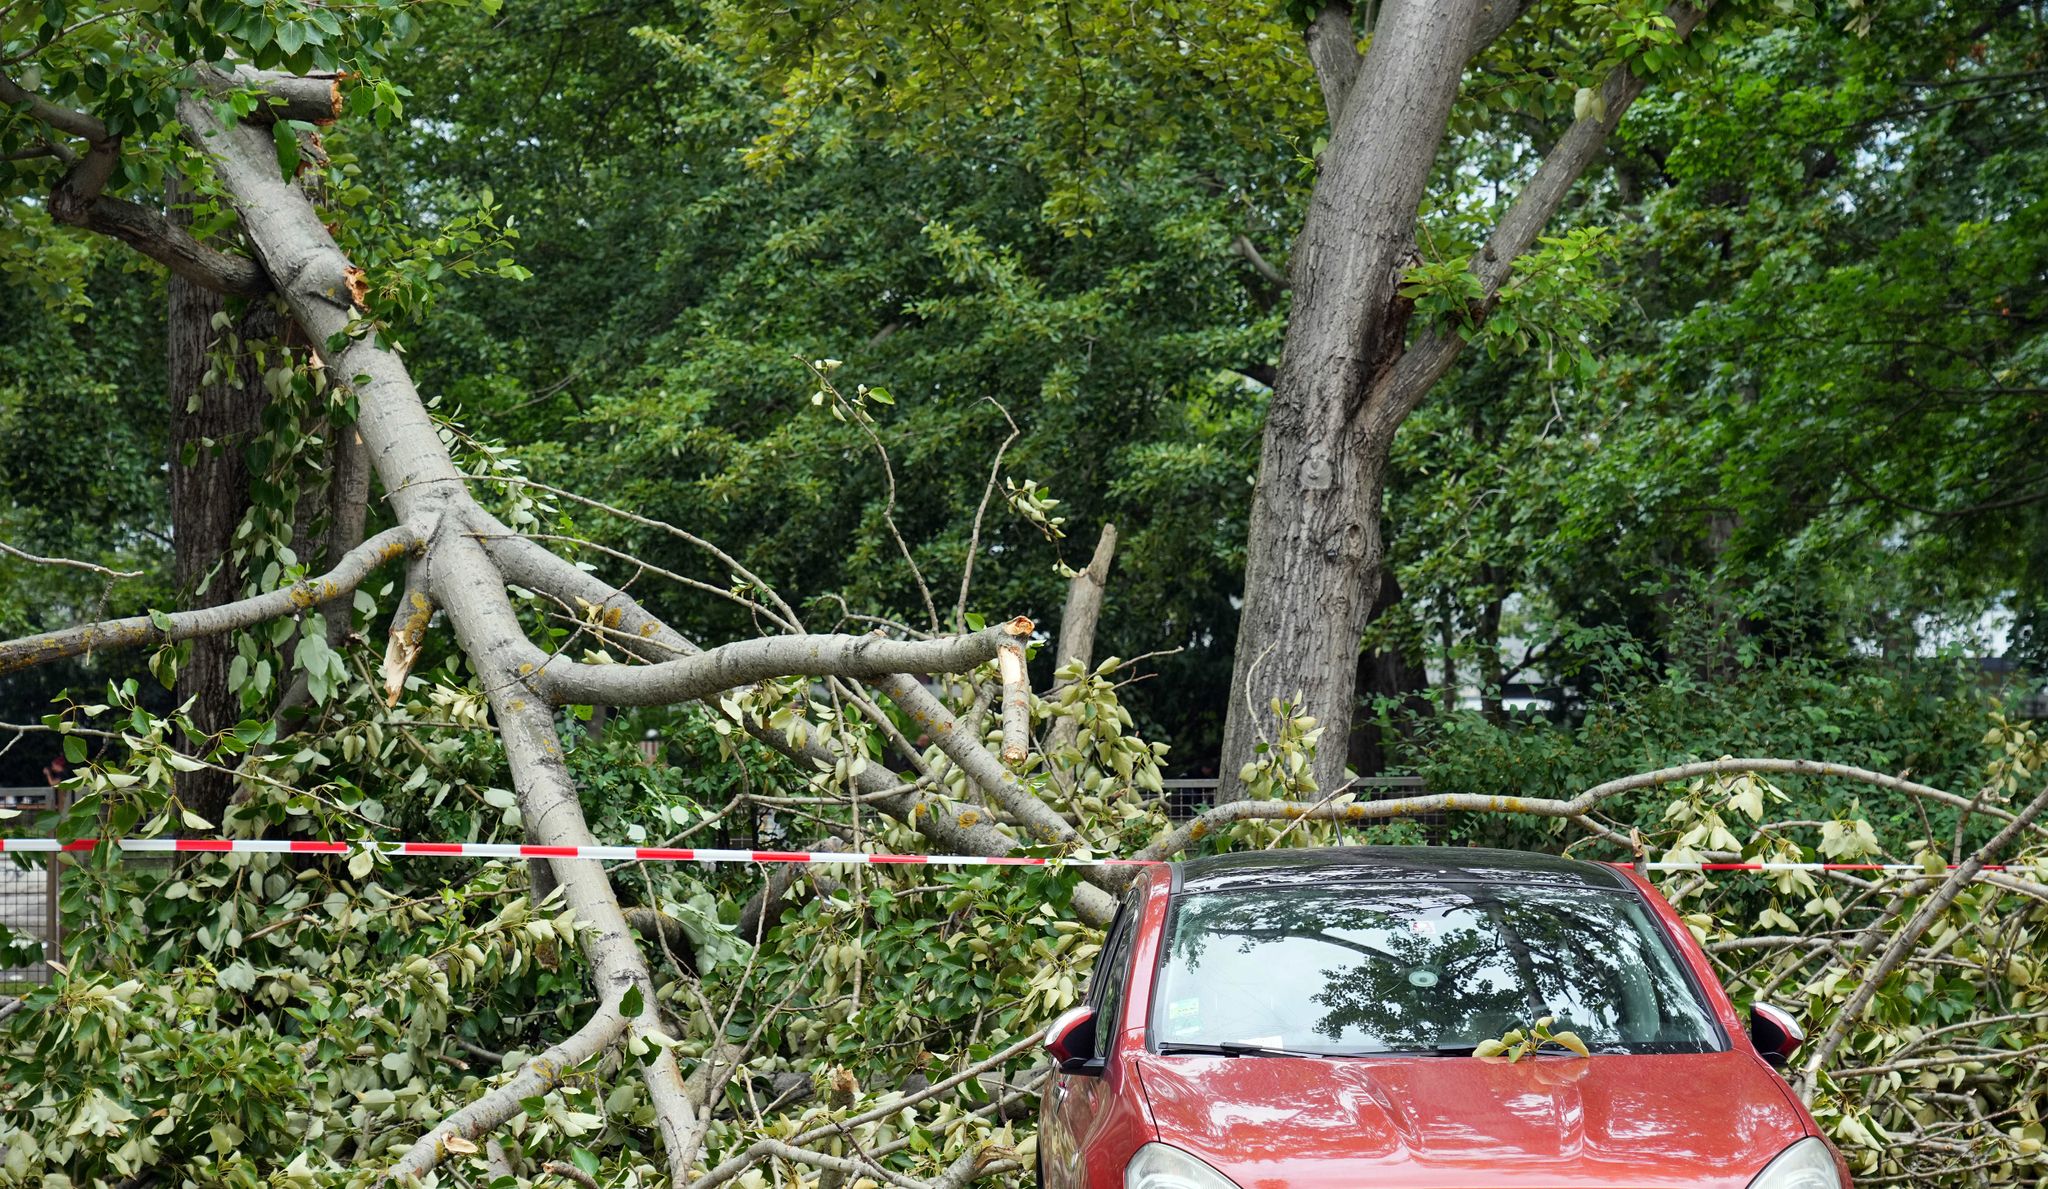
(209, 494)
(1491, 676)
(1314, 550)
(1392, 672)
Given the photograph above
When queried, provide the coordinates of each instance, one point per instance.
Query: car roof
(1368, 865)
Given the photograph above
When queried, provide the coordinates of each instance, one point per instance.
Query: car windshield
(1432, 968)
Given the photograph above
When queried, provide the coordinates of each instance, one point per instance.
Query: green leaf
(287, 148)
(632, 1003)
(74, 749)
(291, 35)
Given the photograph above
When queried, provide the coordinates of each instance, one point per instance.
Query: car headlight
(1157, 1166)
(1805, 1165)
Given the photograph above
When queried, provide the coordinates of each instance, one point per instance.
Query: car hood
(1694, 1120)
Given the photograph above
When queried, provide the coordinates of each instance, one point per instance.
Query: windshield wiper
(1233, 1048)
(1548, 1046)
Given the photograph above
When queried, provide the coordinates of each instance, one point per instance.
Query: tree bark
(211, 426)
(1077, 625)
(1314, 551)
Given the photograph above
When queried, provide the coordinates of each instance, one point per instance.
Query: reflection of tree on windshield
(1362, 969)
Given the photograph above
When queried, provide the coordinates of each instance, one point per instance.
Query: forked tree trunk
(1346, 379)
(1314, 554)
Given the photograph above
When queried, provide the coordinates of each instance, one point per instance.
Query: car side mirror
(1070, 1041)
(1775, 1033)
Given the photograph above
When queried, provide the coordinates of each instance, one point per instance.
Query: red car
(1306, 1019)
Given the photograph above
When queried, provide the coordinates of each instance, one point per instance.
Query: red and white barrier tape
(513, 850)
(671, 854)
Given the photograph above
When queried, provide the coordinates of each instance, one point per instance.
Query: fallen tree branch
(490, 634)
(536, 1077)
(142, 630)
(963, 746)
(734, 1166)
(641, 633)
(309, 98)
(745, 662)
(1016, 677)
(1172, 842)
(1905, 939)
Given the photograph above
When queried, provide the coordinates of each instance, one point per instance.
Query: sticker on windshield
(1184, 1016)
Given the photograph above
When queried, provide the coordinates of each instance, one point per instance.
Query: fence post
(53, 917)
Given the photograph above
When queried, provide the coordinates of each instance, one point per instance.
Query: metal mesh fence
(28, 888)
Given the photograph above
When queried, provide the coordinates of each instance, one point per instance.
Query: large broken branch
(142, 630)
(745, 662)
(312, 275)
(953, 829)
(489, 632)
(308, 98)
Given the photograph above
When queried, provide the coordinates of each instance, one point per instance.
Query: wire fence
(28, 888)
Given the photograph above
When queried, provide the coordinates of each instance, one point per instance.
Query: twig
(974, 538)
(570, 1172)
(33, 560)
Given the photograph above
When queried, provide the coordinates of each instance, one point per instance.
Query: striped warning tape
(672, 854)
(511, 850)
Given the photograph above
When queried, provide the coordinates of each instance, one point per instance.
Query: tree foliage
(818, 305)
